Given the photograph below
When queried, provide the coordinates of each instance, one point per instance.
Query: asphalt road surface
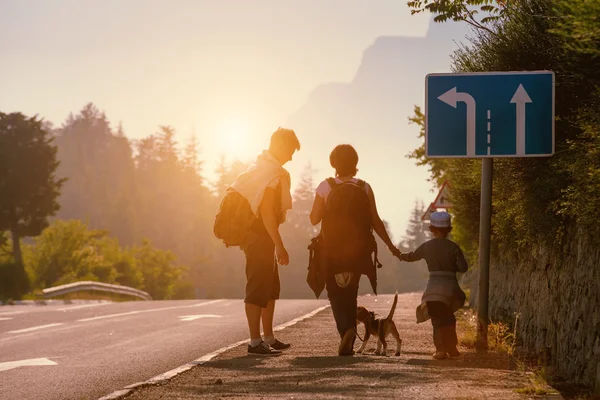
(88, 351)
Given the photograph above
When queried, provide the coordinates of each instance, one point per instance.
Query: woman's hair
(344, 159)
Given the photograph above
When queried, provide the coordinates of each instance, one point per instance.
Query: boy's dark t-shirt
(441, 255)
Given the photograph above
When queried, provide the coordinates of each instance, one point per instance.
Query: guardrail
(95, 286)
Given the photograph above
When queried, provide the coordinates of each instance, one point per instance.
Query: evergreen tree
(417, 231)
(303, 199)
(101, 177)
(226, 174)
(296, 234)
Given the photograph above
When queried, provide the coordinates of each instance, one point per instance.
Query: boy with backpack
(249, 217)
(443, 296)
(346, 208)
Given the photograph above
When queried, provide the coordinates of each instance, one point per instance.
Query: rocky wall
(556, 291)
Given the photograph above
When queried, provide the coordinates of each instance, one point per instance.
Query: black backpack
(234, 219)
(347, 230)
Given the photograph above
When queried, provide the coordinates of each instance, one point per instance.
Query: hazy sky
(230, 70)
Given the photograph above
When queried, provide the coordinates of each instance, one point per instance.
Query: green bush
(68, 251)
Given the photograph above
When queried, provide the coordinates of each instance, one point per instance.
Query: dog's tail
(391, 314)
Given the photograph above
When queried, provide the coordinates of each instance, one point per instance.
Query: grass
(534, 390)
(466, 322)
(500, 337)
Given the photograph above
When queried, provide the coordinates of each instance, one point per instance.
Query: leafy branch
(462, 10)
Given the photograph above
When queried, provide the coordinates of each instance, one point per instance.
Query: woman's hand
(395, 251)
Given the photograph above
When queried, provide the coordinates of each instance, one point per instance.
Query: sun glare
(233, 137)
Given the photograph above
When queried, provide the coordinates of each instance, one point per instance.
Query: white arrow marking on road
(451, 97)
(195, 317)
(33, 362)
(147, 311)
(521, 98)
(35, 328)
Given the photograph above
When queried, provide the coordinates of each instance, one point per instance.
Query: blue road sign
(491, 114)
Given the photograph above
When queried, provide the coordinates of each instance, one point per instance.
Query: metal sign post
(485, 222)
(488, 115)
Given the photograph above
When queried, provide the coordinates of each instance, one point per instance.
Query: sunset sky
(232, 71)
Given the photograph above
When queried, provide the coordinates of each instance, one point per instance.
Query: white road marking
(64, 328)
(33, 362)
(4, 319)
(35, 328)
(68, 327)
(199, 316)
(174, 372)
(83, 306)
(11, 313)
(145, 311)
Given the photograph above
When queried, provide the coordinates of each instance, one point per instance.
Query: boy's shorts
(262, 272)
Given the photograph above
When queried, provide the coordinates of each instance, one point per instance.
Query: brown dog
(380, 327)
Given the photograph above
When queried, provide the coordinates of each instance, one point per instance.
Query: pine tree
(303, 199)
(226, 175)
(190, 159)
(101, 177)
(296, 234)
(416, 232)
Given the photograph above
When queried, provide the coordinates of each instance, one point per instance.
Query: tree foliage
(578, 25)
(140, 213)
(463, 10)
(534, 199)
(416, 232)
(28, 186)
(68, 251)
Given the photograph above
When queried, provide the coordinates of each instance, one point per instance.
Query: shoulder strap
(361, 183)
(332, 183)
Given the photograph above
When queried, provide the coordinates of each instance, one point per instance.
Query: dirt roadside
(311, 368)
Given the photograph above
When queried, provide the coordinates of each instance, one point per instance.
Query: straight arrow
(33, 362)
(451, 97)
(520, 99)
(195, 317)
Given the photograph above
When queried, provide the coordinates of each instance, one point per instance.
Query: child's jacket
(444, 259)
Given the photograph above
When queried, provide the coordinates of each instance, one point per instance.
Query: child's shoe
(440, 355)
(453, 352)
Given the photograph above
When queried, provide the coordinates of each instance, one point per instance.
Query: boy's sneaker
(263, 349)
(280, 345)
(440, 355)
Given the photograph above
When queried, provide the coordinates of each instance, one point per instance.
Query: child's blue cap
(440, 219)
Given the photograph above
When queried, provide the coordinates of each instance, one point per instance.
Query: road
(88, 351)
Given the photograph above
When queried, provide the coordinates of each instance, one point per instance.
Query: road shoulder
(311, 368)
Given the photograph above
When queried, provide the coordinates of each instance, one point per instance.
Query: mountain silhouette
(371, 112)
(388, 83)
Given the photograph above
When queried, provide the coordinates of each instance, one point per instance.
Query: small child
(443, 296)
